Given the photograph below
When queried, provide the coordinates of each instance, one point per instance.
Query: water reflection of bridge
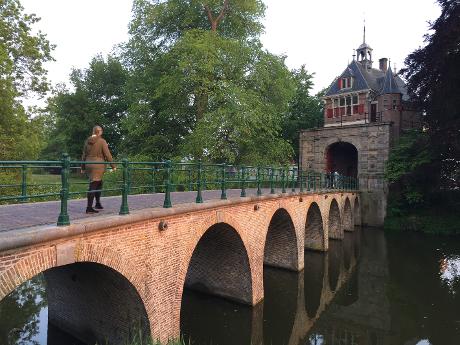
(297, 308)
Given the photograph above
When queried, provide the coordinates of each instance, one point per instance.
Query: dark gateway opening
(342, 157)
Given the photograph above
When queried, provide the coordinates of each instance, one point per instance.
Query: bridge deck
(20, 216)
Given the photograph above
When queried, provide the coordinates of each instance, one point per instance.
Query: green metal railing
(18, 181)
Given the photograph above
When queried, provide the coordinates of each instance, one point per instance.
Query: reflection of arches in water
(348, 242)
(83, 306)
(314, 277)
(334, 223)
(349, 292)
(342, 157)
(314, 230)
(347, 216)
(218, 258)
(207, 320)
(356, 213)
(280, 304)
(281, 242)
(334, 262)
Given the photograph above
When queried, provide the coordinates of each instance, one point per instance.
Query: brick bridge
(145, 259)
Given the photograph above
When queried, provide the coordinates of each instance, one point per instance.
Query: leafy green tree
(433, 76)
(202, 85)
(98, 98)
(305, 110)
(22, 73)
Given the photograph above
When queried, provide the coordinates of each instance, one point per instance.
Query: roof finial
(364, 31)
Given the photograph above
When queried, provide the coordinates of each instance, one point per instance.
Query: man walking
(95, 150)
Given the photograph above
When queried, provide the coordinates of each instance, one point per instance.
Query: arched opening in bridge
(314, 230)
(220, 265)
(357, 213)
(334, 222)
(218, 290)
(335, 257)
(80, 303)
(342, 157)
(281, 242)
(315, 268)
(347, 216)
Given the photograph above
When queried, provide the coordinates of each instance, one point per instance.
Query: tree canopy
(22, 73)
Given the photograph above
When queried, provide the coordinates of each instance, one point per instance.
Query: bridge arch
(219, 265)
(83, 295)
(335, 230)
(281, 248)
(347, 216)
(314, 229)
(315, 272)
(357, 212)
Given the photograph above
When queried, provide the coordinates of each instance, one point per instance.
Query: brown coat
(96, 150)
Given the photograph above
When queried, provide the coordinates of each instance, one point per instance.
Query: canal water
(372, 288)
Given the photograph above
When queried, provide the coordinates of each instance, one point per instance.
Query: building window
(394, 105)
(345, 83)
(355, 99)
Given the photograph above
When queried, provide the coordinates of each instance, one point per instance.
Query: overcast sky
(320, 34)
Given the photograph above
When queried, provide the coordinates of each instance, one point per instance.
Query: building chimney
(383, 64)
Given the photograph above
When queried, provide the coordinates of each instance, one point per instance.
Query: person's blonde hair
(97, 129)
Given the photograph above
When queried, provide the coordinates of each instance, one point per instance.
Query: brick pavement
(20, 216)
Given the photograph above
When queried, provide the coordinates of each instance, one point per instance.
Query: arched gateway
(342, 157)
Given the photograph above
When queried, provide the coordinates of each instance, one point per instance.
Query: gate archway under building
(342, 157)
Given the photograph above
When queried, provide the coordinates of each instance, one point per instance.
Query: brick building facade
(365, 111)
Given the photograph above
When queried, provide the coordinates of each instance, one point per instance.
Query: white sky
(319, 34)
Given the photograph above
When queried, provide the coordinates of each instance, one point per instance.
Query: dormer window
(345, 83)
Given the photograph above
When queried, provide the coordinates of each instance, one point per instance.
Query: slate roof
(364, 79)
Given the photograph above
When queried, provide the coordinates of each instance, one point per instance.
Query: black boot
(90, 195)
(98, 197)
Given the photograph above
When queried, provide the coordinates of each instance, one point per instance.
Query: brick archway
(281, 242)
(68, 306)
(314, 228)
(335, 229)
(347, 216)
(220, 265)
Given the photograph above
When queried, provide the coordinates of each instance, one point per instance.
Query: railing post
(63, 218)
(124, 209)
(243, 185)
(293, 180)
(223, 195)
(300, 179)
(199, 197)
(259, 190)
(153, 179)
(189, 177)
(283, 180)
(167, 202)
(272, 181)
(24, 183)
(314, 182)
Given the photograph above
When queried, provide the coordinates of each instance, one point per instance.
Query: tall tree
(305, 110)
(433, 77)
(204, 86)
(98, 98)
(22, 73)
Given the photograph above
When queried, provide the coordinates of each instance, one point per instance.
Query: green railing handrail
(166, 177)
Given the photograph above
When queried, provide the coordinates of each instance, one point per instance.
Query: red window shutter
(361, 109)
(336, 112)
(340, 83)
(330, 112)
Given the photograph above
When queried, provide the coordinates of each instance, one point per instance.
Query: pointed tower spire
(364, 31)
